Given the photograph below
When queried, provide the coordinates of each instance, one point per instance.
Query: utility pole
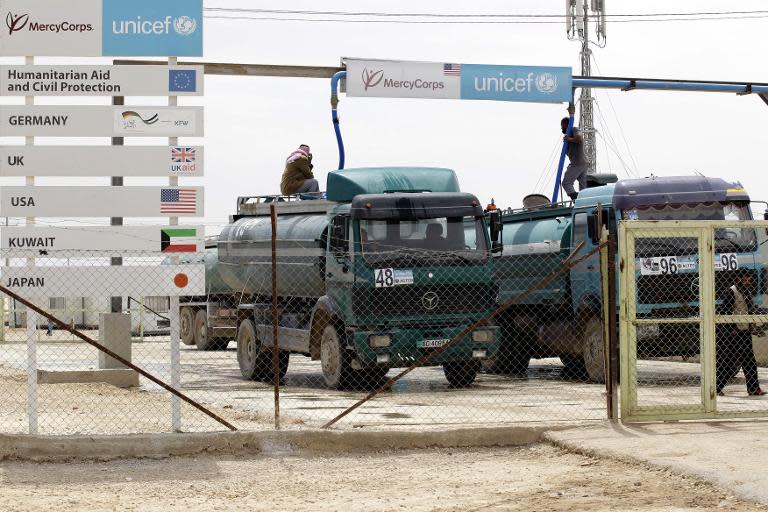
(577, 24)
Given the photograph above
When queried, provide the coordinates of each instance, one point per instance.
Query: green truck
(375, 276)
(562, 319)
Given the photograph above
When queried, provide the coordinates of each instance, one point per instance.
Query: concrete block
(121, 378)
(115, 334)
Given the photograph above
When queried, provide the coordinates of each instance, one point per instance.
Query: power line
(468, 15)
(470, 22)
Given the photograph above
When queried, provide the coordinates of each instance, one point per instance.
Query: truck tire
(254, 359)
(186, 320)
(200, 329)
(594, 350)
(514, 353)
(372, 378)
(335, 359)
(461, 374)
(574, 366)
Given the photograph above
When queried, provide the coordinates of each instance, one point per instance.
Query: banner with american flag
(178, 201)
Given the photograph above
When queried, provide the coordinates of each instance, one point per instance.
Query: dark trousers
(733, 352)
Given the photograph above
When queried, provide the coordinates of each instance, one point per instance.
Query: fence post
(613, 331)
(275, 318)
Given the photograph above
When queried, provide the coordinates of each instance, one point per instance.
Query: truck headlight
(484, 336)
(379, 340)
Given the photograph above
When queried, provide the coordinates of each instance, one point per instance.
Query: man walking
(577, 168)
(733, 349)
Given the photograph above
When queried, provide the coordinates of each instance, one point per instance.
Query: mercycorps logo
(372, 78)
(18, 22)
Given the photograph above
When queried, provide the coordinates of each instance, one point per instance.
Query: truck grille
(410, 300)
(681, 288)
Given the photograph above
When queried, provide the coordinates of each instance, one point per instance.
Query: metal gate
(677, 334)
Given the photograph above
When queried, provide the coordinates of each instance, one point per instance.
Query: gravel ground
(532, 478)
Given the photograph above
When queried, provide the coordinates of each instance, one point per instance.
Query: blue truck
(563, 319)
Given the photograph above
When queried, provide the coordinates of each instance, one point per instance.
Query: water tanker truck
(562, 319)
(376, 276)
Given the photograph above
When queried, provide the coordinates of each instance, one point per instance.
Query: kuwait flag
(178, 240)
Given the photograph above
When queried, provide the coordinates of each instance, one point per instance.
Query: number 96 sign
(663, 265)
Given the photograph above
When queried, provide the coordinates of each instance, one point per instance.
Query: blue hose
(568, 131)
(335, 115)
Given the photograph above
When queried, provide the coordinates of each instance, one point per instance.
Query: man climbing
(577, 168)
(297, 176)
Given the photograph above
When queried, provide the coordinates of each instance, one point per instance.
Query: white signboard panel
(101, 160)
(135, 281)
(101, 80)
(93, 28)
(101, 201)
(157, 239)
(100, 121)
(401, 79)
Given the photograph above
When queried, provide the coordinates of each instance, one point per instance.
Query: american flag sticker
(178, 201)
(452, 69)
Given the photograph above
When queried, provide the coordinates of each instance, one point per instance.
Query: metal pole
(173, 312)
(587, 122)
(613, 331)
(116, 303)
(275, 318)
(31, 315)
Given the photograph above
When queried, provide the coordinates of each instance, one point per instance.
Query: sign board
(100, 121)
(96, 28)
(94, 281)
(101, 80)
(101, 160)
(157, 239)
(438, 80)
(101, 201)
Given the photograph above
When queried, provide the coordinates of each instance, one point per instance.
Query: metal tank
(213, 282)
(245, 255)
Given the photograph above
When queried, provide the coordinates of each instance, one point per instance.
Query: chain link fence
(368, 323)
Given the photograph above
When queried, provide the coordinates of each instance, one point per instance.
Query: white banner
(50, 27)
(101, 80)
(402, 79)
(95, 28)
(104, 281)
(101, 160)
(32, 241)
(100, 121)
(101, 201)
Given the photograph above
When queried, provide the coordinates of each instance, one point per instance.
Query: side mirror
(338, 239)
(496, 225)
(592, 228)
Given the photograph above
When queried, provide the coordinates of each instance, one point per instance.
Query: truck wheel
(334, 359)
(186, 320)
(371, 378)
(574, 366)
(594, 350)
(254, 359)
(461, 374)
(514, 353)
(200, 328)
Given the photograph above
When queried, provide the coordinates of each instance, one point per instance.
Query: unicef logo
(184, 25)
(546, 83)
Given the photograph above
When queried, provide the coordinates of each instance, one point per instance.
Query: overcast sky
(498, 149)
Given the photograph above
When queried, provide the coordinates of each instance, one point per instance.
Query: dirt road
(533, 478)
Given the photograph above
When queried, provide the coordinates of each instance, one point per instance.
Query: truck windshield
(730, 239)
(421, 242)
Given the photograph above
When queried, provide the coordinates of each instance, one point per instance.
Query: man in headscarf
(297, 176)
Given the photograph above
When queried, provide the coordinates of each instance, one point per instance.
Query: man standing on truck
(577, 168)
(297, 176)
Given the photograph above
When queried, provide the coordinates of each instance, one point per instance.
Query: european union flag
(182, 80)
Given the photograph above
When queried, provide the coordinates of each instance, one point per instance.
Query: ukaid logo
(183, 160)
(153, 28)
(516, 83)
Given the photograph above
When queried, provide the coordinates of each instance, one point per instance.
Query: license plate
(432, 343)
(647, 330)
